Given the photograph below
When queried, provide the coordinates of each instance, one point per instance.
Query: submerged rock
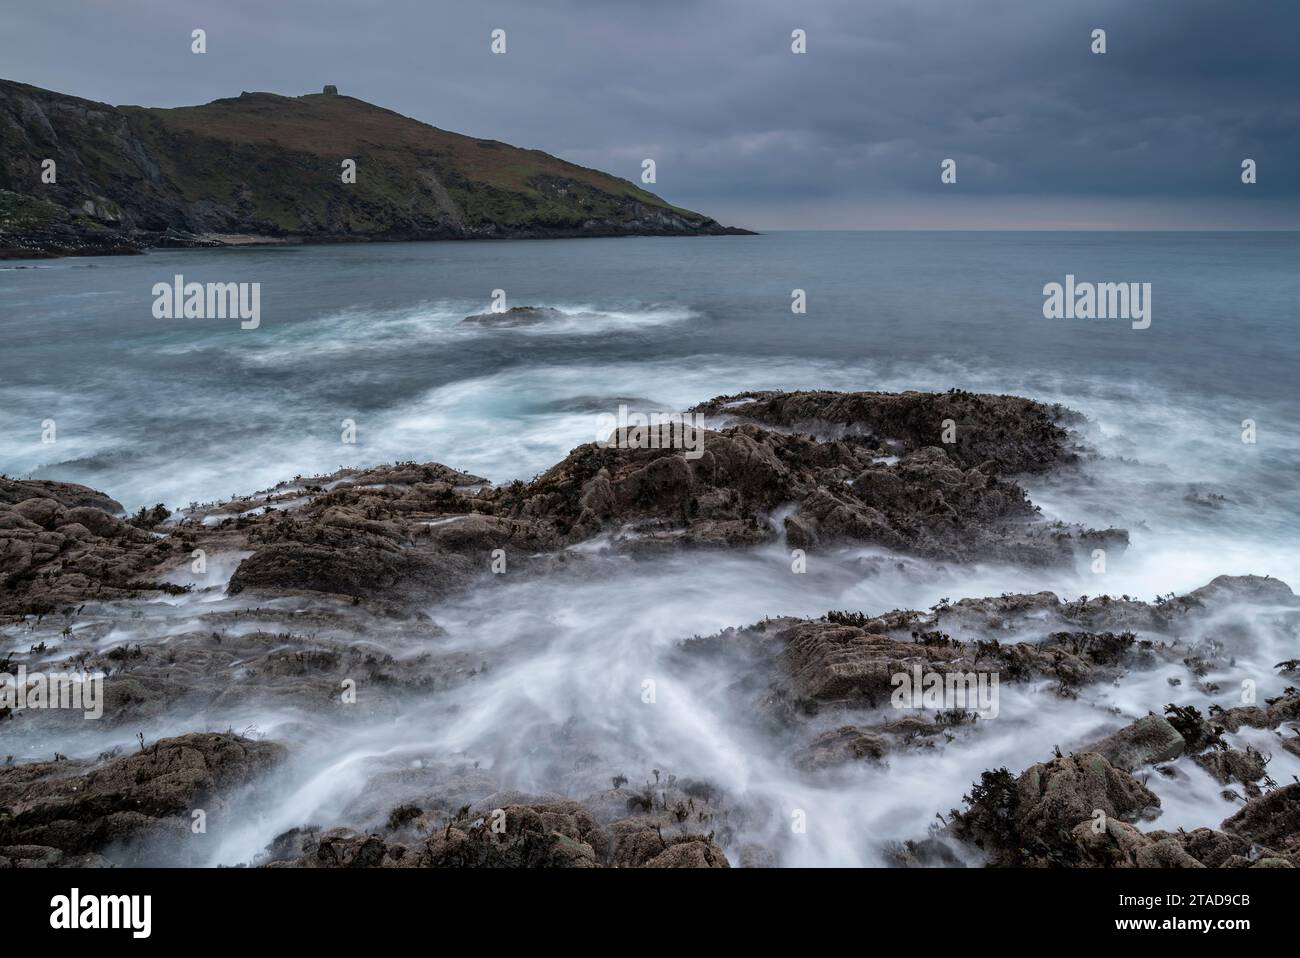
(516, 316)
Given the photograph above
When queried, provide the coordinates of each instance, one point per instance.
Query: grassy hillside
(270, 166)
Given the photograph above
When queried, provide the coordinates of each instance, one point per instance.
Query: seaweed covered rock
(1035, 819)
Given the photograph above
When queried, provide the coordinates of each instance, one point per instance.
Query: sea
(1191, 427)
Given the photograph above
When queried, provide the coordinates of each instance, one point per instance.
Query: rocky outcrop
(1146, 741)
(557, 834)
(915, 494)
(414, 531)
(834, 683)
(1271, 820)
(62, 544)
(75, 808)
(1018, 435)
(1082, 811)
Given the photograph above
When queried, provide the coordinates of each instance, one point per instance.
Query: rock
(403, 533)
(1112, 843)
(690, 853)
(43, 856)
(1285, 708)
(343, 848)
(551, 834)
(1233, 765)
(78, 807)
(845, 744)
(928, 502)
(1149, 740)
(828, 662)
(1213, 849)
(1017, 435)
(516, 316)
(67, 494)
(930, 852)
(1047, 815)
(1245, 588)
(1273, 819)
(61, 545)
(557, 835)
(637, 843)
(1057, 795)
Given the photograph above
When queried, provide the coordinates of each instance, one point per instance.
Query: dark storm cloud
(1044, 132)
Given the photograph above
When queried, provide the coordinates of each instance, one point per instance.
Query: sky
(1046, 134)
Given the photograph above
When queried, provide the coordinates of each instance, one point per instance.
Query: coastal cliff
(266, 168)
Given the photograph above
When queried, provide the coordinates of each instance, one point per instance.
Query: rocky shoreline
(276, 597)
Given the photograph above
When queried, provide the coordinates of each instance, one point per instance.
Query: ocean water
(179, 411)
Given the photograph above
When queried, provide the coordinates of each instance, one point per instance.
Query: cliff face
(269, 167)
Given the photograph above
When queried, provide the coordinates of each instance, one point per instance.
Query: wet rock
(1147, 741)
(838, 746)
(1036, 819)
(58, 547)
(1233, 765)
(1019, 435)
(558, 835)
(1273, 819)
(78, 807)
(1057, 794)
(1285, 708)
(343, 848)
(829, 662)
(725, 491)
(43, 856)
(551, 834)
(637, 843)
(690, 853)
(1213, 849)
(931, 852)
(1244, 588)
(69, 495)
(405, 532)
(1112, 843)
(516, 316)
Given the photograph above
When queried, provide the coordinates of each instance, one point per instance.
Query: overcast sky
(851, 134)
